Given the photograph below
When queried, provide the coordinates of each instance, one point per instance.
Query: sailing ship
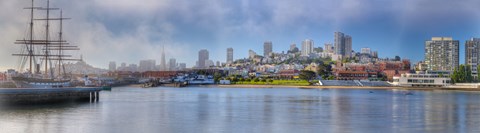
(44, 51)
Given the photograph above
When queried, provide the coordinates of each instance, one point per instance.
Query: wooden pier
(52, 95)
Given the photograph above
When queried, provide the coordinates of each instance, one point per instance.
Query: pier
(52, 95)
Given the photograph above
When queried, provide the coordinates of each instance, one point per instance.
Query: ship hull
(21, 82)
(48, 95)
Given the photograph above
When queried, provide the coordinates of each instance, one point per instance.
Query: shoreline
(349, 87)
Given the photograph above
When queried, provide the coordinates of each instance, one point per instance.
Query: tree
(462, 74)
(256, 80)
(263, 80)
(397, 58)
(241, 79)
(306, 75)
(468, 74)
(217, 76)
(478, 74)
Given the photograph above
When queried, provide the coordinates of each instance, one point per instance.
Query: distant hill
(82, 67)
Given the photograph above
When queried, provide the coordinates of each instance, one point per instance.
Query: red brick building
(351, 75)
(391, 73)
(123, 74)
(288, 74)
(3, 76)
(394, 65)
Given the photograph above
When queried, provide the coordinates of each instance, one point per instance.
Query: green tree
(241, 79)
(454, 75)
(256, 80)
(235, 79)
(462, 74)
(478, 74)
(217, 76)
(306, 75)
(468, 74)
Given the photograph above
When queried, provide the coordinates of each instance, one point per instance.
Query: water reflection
(253, 110)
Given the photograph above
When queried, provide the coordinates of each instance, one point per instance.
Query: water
(197, 109)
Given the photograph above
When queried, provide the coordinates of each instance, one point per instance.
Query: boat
(46, 51)
(50, 84)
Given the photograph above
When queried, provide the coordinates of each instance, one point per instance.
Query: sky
(132, 30)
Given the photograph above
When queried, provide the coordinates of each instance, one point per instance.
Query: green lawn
(277, 82)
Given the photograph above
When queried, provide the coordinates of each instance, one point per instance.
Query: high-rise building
(182, 66)
(163, 63)
(375, 54)
(132, 67)
(442, 53)
(202, 58)
(343, 44)
(229, 55)
(209, 63)
(293, 46)
(307, 47)
(267, 48)
(112, 66)
(172, 64)
(328, 48)
(146, 65)
(472, 55)
(366, 51)
(348, 46)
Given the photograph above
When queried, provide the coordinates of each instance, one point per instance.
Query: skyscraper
(229, 55)
(112, 66)
(472, 54)
(343, 44)
(442, 53)
(202, 57)
(307, 47)
(348, 46)
(172, 64)
(293, 46)
(267, 48)
(182, 66)
(163, 63)
(146, 65)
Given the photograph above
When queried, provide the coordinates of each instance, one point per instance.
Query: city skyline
(243, 25)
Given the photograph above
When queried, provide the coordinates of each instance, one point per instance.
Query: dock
(51, 95)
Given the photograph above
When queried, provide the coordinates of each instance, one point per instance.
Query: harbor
(276, 109)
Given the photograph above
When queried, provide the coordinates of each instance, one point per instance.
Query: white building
(366, 51)
(422, 80)
(307, 47)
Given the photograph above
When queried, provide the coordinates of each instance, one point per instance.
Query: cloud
(131, 30)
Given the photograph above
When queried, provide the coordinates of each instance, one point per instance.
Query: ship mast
(47, 44)
(29, 43)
